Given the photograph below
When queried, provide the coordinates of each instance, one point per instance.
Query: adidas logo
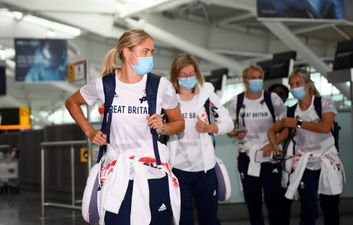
(162, 208)
(275, 170)
(214, 193)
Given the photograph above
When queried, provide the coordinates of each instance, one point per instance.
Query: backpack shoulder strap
(152, 85)
(335, 127)
(318, 105)
(208, 112)
(240, 101)
(268, 101)
(109, 85)
(291, 111)
(207, 108)
(109, 92)
(292, 131)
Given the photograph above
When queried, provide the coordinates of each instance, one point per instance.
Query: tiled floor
(345, 220)
(24, 209)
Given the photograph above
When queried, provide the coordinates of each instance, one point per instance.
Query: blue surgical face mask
(298, 93)
(187, 83)
(144, 65)
(256, 85)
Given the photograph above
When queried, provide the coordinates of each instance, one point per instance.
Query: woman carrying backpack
(315, 162)
(193, 154)
(254, 112)
(135, 191)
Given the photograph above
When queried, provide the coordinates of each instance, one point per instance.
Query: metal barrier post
(4, 146)
(89, 152)
(72, 159)
(42, 179)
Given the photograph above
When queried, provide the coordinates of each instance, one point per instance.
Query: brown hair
(304, 74)
(181, 61)
(251, 67)
(130, 39)
(109, 63)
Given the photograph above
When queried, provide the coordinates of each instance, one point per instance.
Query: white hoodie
(115, 187)
(332, 175)
(206, 151)
(316, 151)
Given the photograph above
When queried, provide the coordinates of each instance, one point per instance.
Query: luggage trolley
(9, 181)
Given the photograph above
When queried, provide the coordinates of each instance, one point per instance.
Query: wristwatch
(299, 123)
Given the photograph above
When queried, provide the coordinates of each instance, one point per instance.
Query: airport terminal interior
(49, 49)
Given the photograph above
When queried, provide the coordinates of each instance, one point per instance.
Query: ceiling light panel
(127, 8)
(52, 26)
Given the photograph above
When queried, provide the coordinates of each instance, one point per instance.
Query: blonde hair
(130, 39)
(109, 63)
(181, 61)
(304, 74)
(252, 67)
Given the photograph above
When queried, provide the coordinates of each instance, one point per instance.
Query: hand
(98, 137)
(201, 126)
(267, 150)
(238, 134)
(156, 122)
(289, 122)
(276, 151)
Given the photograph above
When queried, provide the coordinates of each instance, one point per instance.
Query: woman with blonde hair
(192, 152)
(314, 160)
(109, 63)
(134, 188)
(254, 111)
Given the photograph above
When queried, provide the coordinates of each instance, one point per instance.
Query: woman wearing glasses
(193, 158)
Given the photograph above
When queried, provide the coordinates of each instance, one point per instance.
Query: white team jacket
(331, 176)
(224, 123)
(115, 186)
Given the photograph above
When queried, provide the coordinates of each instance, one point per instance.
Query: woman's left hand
(267, 150)
(155, 121)
(201, 126)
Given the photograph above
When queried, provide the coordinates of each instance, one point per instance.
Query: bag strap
(109, 92)
(292, 131)
(335, 127)
(318, 105)
(207, 108)
(291, 111)
(151, 97)
(268, 101)
(240, 101)
(208, 112)
(109, 85)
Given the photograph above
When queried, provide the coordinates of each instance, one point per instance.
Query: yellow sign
(84, 154)
(71, 72)
(15, 127)
(24, 120)
(76, 71)
(25, 116)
